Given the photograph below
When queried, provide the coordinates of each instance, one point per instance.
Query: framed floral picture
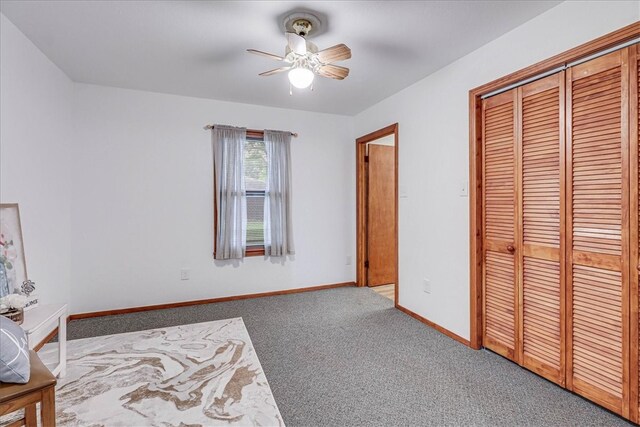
(13, 267)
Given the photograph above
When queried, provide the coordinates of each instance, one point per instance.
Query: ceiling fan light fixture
(301, 77)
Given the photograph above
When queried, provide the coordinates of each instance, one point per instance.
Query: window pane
(255, 174)
(255, 218)
(255, 166)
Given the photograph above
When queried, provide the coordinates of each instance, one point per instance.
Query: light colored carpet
(198, 374)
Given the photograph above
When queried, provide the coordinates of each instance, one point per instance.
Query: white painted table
(39, 322)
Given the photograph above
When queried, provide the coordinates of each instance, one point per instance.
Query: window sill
(254, 251)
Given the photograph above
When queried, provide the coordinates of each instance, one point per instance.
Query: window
(255, 175)
(240, 158)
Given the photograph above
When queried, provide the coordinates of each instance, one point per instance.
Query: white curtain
(231, 203)
(278, 230)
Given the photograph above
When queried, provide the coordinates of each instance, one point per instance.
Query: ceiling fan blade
(297, 43)
(333, 72)
(276, 71)
(336, 53)
(268, 55)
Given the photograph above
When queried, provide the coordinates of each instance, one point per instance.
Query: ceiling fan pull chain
(290, 89)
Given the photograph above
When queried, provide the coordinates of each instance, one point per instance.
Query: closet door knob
(511, 248)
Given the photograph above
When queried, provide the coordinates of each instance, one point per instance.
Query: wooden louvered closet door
(561, 228)
(499, 219)
(541, 260)
(597, 231)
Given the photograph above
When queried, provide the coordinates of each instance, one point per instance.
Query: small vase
(15, 314)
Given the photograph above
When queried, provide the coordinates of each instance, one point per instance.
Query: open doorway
(377, 211)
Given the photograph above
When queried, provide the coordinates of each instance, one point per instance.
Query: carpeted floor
(347, 357)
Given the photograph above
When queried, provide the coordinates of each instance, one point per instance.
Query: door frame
(361, 211)
(476, 195)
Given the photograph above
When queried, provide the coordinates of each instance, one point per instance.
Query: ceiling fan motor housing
(302, 27)
(302, 23)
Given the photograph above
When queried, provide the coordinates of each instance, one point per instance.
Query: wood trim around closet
(634, 267)
(475, 155)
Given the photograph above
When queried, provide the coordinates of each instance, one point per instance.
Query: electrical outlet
(349, 260)
(184, 274)
(426, 286)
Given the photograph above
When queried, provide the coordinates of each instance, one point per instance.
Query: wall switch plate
(185, 274)
(464, 189)
(426, 286)
(349, 260)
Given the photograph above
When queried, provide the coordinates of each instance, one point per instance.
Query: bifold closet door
(500, 218)
(541, 258)
(598, 230)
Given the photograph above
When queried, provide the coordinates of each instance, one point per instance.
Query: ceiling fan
(303, 57)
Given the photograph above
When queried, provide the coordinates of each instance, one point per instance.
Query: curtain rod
(293, 134)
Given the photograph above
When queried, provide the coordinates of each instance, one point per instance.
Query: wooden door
(541, 260)
(499, 218)
(598, 231)
(634, 137)
(381, 215)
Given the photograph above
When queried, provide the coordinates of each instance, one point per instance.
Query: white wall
(35, 141)
(142, 200)
(433, 150)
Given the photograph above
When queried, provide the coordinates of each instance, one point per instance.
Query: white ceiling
(197, 48)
